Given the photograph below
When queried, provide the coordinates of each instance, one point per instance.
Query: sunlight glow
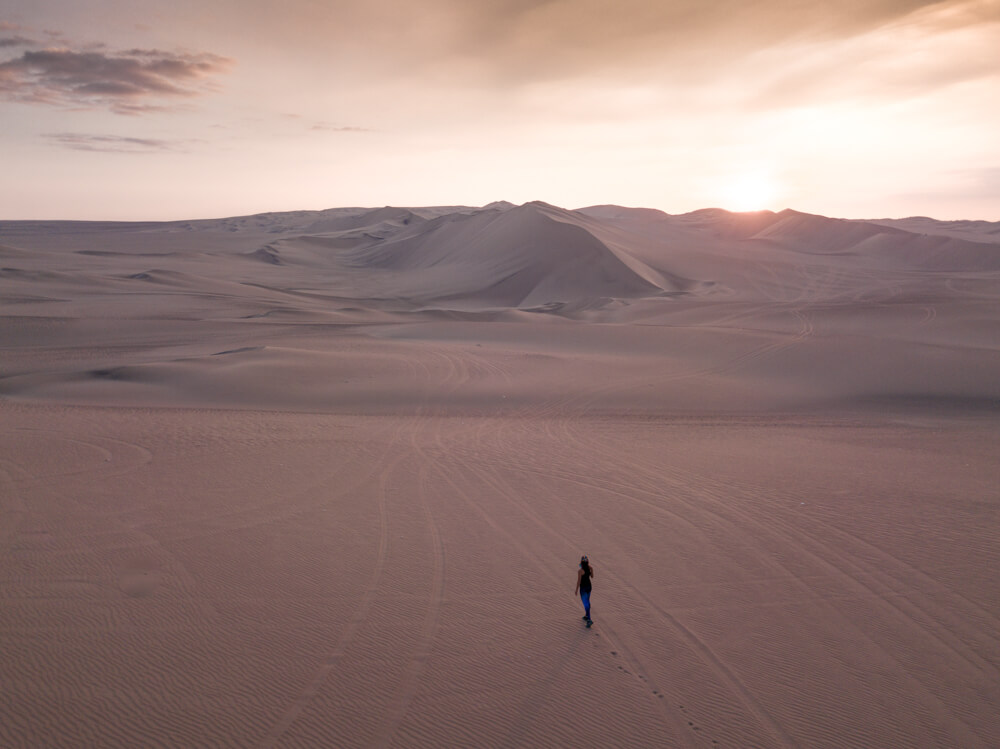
(752, 191)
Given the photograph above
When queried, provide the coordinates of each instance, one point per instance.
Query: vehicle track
(428, 629)
(546, 567)
(835, 563)
(331, 659)
(681, 632)
(864, 581)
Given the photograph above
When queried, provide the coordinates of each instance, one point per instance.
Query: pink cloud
(129, 82)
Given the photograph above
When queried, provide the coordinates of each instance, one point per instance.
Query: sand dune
(974, 231)
(321, 478)
(520, 257)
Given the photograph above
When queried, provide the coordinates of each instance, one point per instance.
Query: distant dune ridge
(701, 276)
(518, 256)
(323, 478)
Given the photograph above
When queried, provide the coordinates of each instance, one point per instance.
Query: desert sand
(323, 479)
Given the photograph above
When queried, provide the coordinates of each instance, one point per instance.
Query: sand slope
(321, 479)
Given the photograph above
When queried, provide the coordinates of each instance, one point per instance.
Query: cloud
(128, 82)
(328, 128)
(933, 48)
(110, 143)
(16, 41)
(506, 43)
(519, 41)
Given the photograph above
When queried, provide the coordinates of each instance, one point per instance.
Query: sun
(751, 191)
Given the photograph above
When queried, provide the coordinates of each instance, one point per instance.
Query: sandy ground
(323, 480)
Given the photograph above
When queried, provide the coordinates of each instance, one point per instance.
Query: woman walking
(583, 587)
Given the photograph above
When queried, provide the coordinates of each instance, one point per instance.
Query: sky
(156, 110)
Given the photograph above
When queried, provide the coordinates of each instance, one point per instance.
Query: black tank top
(585, 580)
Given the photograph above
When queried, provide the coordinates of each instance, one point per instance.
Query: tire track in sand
(578, 402)
(636, 665)
(868, 576)
(347, 636)
(12, 509)
(332, 658)
(835, 564)
(396, 712)
(428, 629)
(109, 456)
(405, 691)
(890, 605)
(458, 374)
(144, 541)
(685, 635)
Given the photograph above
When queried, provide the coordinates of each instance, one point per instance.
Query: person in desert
(583, 587)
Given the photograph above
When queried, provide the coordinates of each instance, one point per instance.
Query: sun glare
(749, 192)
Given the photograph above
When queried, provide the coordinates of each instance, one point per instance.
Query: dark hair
(585, 563)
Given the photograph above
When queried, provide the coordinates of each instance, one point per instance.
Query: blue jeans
(585, 597)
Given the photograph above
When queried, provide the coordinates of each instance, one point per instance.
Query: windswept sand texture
(322, 479)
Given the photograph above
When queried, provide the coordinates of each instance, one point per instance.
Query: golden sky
(145, 109)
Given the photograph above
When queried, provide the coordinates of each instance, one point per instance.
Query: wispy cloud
(523, 41)
(110, 143)
(16, 41)
(127, 82)
(326, 127)
(931, 49)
